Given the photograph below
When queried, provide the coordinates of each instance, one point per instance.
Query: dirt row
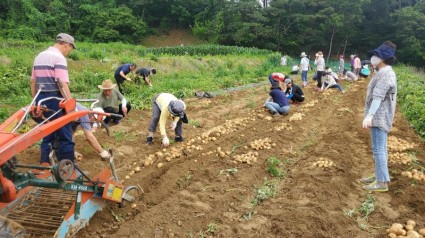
(202, 189)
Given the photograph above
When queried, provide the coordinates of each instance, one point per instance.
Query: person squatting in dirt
(165, 105)
(86, 123)
(50, 69)
(380, 105)
(108, 100)
(295, 69)
(329, 81)
(145, 73)
(277, 102)
(293, 92)
(350, 76)
(121, 74)
(276, 79)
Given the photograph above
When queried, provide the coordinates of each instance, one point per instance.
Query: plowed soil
(203, 194)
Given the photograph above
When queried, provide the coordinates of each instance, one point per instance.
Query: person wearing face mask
(379, 113)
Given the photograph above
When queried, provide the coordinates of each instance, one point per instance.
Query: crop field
(241, 172)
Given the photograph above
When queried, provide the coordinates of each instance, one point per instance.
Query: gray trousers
(156, 113)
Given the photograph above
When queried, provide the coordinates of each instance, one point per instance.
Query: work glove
(173, 125)
(129, 79)
(105, 155)
(165, 141)
(289, 96)
(367, 122)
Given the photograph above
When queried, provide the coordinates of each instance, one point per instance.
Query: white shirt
(304, 64)
(320, 64)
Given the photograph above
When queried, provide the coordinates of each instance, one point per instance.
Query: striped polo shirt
(50, 65)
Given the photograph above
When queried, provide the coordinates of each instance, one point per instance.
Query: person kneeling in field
(350, 76)
(108, 101)
(293, 92)
(86, 124)
(330, 82)
(165, 105)
(277, 103)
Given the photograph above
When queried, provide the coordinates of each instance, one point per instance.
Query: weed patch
(362, 213)
(275, 168)
(267, 190)
(184, 181)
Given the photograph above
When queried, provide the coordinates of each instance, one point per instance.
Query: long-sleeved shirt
(320, 64)
(279, 97)
(329, 80)
(383, 87)
(162, 101)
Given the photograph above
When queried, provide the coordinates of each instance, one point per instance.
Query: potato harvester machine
(57, 199)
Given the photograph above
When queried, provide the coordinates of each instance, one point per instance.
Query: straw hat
(303, 54)
(107, 84)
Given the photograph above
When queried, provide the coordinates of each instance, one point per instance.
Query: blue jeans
(380, 154)
(304, 76)
(339, 87)
(63, 136)
(275, 108)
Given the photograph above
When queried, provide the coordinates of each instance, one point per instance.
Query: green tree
(411, 34)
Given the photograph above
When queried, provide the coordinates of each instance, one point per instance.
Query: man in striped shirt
(50, 67)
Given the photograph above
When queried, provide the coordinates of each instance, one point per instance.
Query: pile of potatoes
(310, 103)
(323, 163)
(228, 127)
(249, 158)
(190, 148)
(283, 127)
(414, 174)
(220, 153)
(398, 230)
(399, 158)
(399, 145)
(133, 169)
(262, 144)
(296, 117)
(268, 118)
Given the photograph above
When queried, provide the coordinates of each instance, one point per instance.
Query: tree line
(332, 26)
